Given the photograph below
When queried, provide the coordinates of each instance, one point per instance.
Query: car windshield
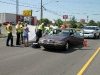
(64, 33)
(89, 28)
(61, 32)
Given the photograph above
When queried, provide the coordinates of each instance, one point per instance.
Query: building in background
(7, 17)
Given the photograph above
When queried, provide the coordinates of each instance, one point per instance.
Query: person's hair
(25, 24)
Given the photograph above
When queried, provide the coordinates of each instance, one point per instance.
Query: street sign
(27, 13)
(65, 16)
(82, 20)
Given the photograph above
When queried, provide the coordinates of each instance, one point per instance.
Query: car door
(97, 31)
(80, 38)
(73, 38)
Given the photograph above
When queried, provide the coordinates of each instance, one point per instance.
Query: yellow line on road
(89, 61)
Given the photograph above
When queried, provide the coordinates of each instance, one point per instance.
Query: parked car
(61, 39)
(6, 23)
(90, 32)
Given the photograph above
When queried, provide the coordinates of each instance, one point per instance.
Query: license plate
(47, 43)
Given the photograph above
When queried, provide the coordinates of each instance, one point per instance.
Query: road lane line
(89, 61)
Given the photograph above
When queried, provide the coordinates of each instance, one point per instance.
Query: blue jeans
(25, 38)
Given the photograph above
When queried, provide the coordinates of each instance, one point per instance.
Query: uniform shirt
(10, 27)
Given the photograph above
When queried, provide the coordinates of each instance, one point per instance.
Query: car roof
(64, 29)
(91, 26)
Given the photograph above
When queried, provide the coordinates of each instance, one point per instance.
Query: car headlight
(91, 32)
(59, 42)
(81, 31)
(41, 40)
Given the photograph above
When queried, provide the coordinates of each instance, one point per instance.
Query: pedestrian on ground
(25, 35)
(10, 36)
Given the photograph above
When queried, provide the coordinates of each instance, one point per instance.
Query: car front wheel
(66, 47)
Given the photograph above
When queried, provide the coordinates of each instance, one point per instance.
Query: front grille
(86, 33)
(48, 41)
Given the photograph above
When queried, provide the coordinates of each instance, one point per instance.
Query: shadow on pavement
(70, 50)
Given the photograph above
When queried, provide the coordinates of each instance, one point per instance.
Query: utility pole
(87, 19)
(41, 11)
(17, 8)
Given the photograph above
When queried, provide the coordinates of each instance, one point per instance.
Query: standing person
(18, 33)
(25, 35)
(10, 36)
(21, 25)
(39, 32)
(36, 28)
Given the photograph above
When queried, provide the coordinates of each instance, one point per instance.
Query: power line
(22, 2)
(19, 5)
(80, 2)
(31, 7)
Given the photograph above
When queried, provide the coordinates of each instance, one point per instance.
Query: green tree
(92, 23)
(45, 21)
(58, 22)
(73, 22)
(98, 23)
(80, 24)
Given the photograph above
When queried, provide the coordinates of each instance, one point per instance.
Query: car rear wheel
(66, 47)
(98, 36)
(95, 36)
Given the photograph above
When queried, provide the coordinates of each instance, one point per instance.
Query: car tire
(95, 36)
(98, 36)
(66, 47)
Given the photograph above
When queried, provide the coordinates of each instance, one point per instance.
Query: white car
(90, 32)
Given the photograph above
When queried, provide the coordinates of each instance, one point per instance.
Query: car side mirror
(72, 35)
(97, 29)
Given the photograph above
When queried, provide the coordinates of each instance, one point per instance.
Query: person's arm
(6, 27)
(16, 27)
(10, 27)
(28, 29)
(35, 29)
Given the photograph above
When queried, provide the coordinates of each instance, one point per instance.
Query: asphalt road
(20, 60)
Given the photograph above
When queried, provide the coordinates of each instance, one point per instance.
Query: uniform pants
(18, 38)
(38, 35)
(10, 37)
(22, 37)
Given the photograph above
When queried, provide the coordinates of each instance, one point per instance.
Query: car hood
(55, 37)
(88, 31)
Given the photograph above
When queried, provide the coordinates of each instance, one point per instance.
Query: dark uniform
(10, 36)
(39, 32)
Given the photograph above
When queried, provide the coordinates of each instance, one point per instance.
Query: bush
(3, 35)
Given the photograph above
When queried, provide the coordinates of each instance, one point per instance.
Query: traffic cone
(85, 43)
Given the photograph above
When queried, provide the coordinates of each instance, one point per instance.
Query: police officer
(18, 33)
(39, 32)
(10, 36)
(21, 25)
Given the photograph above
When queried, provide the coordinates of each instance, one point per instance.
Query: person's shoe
(12, 45)
(7, 45)
(18, 44)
